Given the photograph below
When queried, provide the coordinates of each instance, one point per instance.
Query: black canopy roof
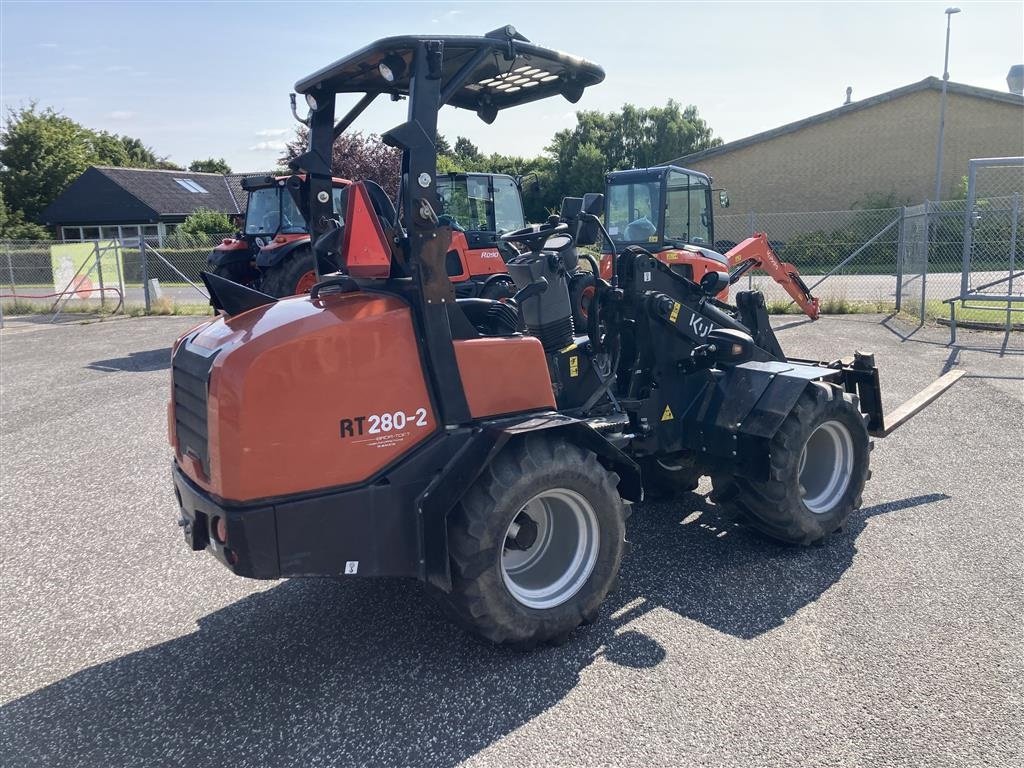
(498, 71)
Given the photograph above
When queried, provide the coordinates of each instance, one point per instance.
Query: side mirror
(723, 198)
(713, 283)
(593, 202)
(730, 347)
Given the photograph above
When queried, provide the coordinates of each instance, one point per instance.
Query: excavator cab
(667, 210)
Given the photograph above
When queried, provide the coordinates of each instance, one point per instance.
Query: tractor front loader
(383, 426)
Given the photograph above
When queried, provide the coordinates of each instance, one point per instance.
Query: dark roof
(105, 195)
(503, 70)
(929, 83)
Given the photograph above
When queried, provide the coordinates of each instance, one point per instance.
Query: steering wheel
(532, 238)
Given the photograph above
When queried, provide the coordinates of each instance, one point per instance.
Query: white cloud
(117, 68)
(47, 45)
(121, 114)
(271, 133)
(268, 146)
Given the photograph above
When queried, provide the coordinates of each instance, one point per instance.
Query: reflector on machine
(366, 251)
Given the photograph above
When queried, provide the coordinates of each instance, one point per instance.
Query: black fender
(451, 483)
(742, 407)
(271, 257)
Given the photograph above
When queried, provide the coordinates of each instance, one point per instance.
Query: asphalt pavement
(898, 641)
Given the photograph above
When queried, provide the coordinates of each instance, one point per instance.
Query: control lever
(533, 289)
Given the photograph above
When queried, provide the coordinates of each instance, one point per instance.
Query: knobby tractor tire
(668, 477)
(293, 275)
(236, 273)
(535, 544)
(818, 464)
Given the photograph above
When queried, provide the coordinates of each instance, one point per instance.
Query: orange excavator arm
(756, 253)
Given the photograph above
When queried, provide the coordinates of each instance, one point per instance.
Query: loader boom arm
(756, 252)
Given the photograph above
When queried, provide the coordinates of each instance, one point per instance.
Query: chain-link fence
(848, 258)
(909, 258)
(132, 275)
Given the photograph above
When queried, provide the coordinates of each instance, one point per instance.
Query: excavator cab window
(633, 212)
(688, 217)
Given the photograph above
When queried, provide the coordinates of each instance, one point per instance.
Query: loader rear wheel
(293, 275)
(535, 544)
(818, 466)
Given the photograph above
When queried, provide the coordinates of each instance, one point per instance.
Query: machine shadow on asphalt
(136, 362)
(368, 672)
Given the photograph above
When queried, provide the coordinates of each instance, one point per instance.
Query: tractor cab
(273, 226)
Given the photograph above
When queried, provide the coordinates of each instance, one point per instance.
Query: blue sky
(185, 77)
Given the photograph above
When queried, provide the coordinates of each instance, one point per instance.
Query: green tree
(633, 137)
(14, 227)
(210, 165)
(42, 151)
(204, 222)
(466, 149)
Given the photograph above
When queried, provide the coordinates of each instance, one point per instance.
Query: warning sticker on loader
(574, 366)
(675, 312)
(667, 415)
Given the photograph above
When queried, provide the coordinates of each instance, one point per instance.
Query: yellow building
(881, 145)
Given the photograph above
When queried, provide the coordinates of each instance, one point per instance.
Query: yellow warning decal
(574, 366)
(675, 312)
(667, 415)
(570, 348)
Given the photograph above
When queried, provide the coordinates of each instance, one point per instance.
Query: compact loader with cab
(383, 426)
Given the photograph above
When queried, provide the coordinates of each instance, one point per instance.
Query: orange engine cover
(310, 394)
(504, 375)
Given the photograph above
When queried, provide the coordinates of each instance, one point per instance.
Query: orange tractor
(668, 211)
(273, 251)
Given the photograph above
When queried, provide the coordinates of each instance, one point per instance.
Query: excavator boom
(756, 253)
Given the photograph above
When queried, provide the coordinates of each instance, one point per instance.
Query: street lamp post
(942, 110)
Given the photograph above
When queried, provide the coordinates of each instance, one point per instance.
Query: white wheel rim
(560, 560)
(826, 466)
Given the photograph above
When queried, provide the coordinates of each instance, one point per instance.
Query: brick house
(884, 144)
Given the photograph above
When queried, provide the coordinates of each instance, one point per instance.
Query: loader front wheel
(535, 544)
(818, 464)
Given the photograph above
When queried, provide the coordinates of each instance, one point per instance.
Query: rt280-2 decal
(382, 423)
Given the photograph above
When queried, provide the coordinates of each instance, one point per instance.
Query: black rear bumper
(363, 532)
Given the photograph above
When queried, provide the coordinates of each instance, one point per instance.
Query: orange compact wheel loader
(383, 426)
(667, 210)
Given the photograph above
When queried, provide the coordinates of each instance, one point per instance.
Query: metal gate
(992, 277)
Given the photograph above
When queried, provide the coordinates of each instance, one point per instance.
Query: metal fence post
(900, 245)
(1015, 218)
(10, 266)
(145, 272)
(99, 274)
